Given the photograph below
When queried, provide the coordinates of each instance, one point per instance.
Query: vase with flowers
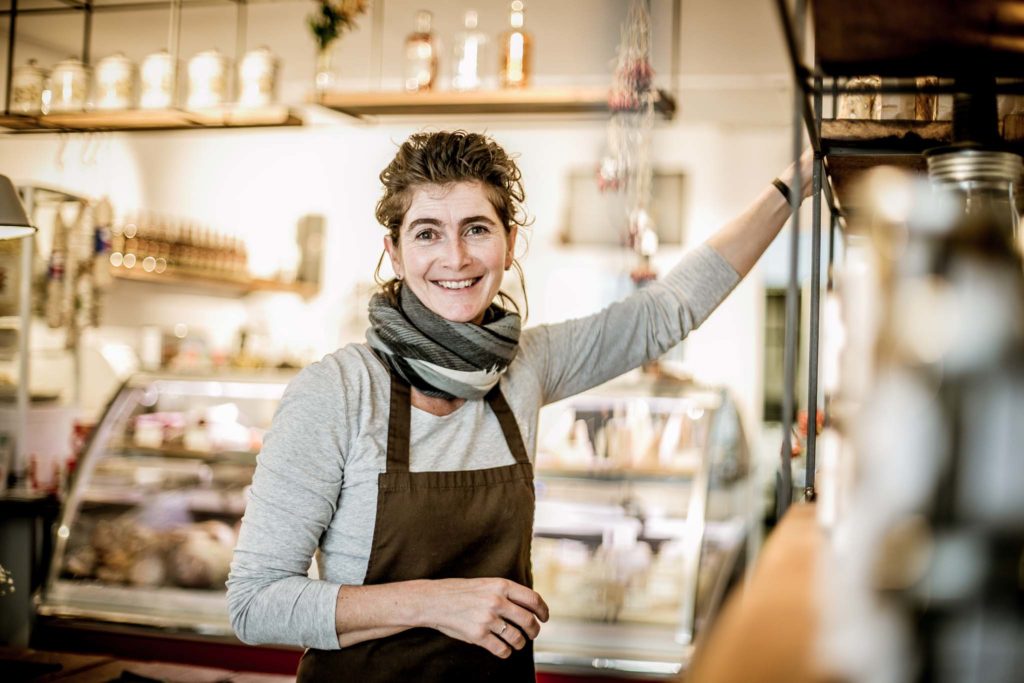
(330, 20)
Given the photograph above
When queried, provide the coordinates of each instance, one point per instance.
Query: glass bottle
(421, 55)
(467, 55)
(515, 64)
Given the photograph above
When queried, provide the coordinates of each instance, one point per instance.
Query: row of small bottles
(422, 58)
(155, 245)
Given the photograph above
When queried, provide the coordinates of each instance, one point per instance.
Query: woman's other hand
(497, 614)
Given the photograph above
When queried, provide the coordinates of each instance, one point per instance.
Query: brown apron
(439, 525)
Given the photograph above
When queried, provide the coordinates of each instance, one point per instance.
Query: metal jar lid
(160, 59)
(71, 65)
(115, 63)
(31, 70)
(975, 166)
(260, 57)
(213, 57)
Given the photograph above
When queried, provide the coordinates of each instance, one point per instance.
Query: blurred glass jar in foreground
(984, 182)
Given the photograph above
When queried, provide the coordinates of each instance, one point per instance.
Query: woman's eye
(478, 230)
(425, 234)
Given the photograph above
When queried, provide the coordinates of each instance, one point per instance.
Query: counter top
(36, 665)
(766, 632)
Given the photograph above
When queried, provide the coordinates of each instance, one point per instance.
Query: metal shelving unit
(229, 116)
(966, 45)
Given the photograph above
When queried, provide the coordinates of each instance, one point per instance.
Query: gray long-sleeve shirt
(315, 486)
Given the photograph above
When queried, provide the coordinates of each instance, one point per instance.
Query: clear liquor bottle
(468, 55)
(421, 54)
(517, 44)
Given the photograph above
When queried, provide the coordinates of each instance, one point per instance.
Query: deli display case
(643, 508)
(641, 522)
(150, 521)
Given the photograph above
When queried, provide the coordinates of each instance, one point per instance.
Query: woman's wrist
(784, 189)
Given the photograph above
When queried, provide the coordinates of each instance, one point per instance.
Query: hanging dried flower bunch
(334, 17)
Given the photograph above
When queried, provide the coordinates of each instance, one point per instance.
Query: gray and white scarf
(440, 357)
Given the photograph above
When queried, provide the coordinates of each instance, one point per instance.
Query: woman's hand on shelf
(806, 171)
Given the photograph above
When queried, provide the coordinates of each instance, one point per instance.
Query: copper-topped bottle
(421, 55)
(516, 43)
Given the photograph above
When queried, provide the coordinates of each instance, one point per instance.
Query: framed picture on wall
(596, 218)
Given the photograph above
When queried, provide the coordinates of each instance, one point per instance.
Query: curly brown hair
(442, 158)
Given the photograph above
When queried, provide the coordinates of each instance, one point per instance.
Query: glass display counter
(642, 511)
(149, 527)
(641, 515)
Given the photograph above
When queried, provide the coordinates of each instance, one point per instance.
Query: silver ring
(504, 625)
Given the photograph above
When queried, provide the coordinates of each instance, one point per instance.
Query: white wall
(260, 182)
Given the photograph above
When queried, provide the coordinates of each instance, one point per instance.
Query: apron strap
(401, 414)
(509, 426)
(398, 426)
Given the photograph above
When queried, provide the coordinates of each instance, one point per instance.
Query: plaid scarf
(440, 357)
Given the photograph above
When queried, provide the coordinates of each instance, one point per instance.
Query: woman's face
(452, 250)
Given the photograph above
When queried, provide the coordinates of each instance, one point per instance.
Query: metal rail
(812, 360)
(784, 494)
(11, 28)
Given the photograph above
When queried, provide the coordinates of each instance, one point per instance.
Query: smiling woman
(452, 251)
(404, 464)
(428, 167)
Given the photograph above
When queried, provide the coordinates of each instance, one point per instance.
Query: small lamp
(13, 221)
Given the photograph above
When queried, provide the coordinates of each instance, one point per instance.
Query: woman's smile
(452, 250)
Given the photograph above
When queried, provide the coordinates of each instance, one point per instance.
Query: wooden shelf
(918, 37)
(527, 101)
(152, 119)
(617, 475)
(852, 147)
(205, 283)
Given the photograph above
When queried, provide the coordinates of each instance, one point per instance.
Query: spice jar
(898, 106)
(28, 83)
(69, 86)
(257, 76)
(159, 76)
(854, 105)
(207, 80)
(115, 82)
(926, 106)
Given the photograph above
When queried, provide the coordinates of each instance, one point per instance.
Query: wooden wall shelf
(152, 119)
(918, 37)
(220, 285)
(852, 147)
(528, 101)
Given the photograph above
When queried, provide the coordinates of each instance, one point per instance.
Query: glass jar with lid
(115, 82)
(69, 86)
(159, 77)
(28, 83)
(207, 80)
(257, 78)
(985, 182)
